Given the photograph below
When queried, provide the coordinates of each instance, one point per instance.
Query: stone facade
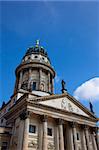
(36, 119)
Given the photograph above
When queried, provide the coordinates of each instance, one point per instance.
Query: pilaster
(49, 84)
(40, 75)
(20, 80)
(29, 81)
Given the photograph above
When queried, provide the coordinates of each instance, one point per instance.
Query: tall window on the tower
(34, 86)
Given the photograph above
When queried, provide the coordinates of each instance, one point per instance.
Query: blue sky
(69, 31)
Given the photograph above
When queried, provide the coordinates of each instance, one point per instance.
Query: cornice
(71, 98)
(51, 109)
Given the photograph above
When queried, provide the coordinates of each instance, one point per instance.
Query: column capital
(59, 121)
(24, 115)
(93, 129)
(43, 118)
(84, 126)
(73, 124)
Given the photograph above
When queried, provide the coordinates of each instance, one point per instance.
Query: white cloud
(89, 90)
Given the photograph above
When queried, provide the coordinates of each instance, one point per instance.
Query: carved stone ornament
(24, 115)
(73, 124)
(44, 118)
(33, 144)
(51, 146)
(70, 108)
(59, 121)
(64, 104)
(84, 126)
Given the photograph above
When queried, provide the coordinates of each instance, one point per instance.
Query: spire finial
(37, 42)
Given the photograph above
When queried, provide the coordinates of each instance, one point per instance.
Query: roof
(37, 49)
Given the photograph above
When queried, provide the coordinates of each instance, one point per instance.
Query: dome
(35, 73)
(36, 53)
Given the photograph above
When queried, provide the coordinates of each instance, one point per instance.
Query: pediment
(64, 103)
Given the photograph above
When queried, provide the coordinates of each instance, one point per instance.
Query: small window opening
(29, 57)
(78, 137)
(43, 58)
(32, 128)
(34, 86)
(49, 131)
(35, 56)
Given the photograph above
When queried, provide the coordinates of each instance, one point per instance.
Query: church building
(37, 119)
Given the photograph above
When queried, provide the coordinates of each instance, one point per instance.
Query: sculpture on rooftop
(91, 107)
(63, 86)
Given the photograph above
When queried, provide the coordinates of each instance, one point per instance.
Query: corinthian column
(40, 134)
(75, 135)
(61, 138)
(94, 141)
(56, 138)
(25, 117)
(45, 142)
(20, 136)
(70, 137)
(87, 137)
(83, 140)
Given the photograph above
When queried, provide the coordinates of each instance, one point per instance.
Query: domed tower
(35, 73)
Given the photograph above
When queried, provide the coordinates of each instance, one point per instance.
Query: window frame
(31, 130)
(48, 131)
(78, 136)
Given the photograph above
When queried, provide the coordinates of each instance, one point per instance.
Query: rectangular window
(34, 86)
(32, 128)
(49, 131)
(78, 138)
